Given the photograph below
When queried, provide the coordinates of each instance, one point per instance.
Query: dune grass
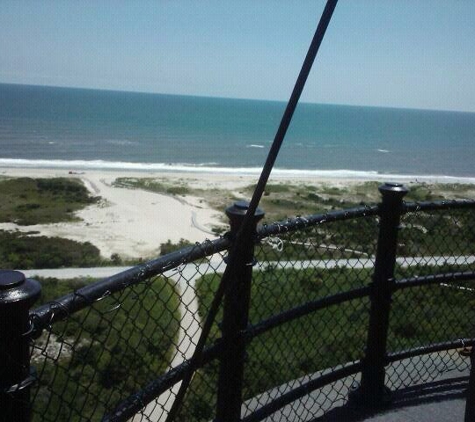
(26, 201)
(283, 199)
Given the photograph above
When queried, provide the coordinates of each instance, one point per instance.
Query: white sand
(133, 222)
(130, 222)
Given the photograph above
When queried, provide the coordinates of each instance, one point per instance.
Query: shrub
(18, 250)
(169, 246)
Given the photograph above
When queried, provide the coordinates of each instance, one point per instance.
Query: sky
(392, 53)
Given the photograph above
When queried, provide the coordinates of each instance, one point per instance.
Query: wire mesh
(101, 355)
(439, 241)
(433, 241)
(200, 399)
(292, 270)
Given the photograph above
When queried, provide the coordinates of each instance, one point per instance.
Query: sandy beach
(130, 222)
(134, 222)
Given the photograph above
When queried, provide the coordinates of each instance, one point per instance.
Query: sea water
(85, 129)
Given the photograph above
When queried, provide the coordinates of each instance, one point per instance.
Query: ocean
(93, 129)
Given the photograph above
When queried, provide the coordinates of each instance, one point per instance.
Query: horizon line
(233, 98)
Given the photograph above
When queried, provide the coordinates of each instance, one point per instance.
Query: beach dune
(129, 222)
(133, 223)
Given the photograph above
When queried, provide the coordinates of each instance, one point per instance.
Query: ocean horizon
(82, 129)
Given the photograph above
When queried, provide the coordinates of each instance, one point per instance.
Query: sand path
(188, 335)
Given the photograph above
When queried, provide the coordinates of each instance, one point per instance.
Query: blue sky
(397, 53)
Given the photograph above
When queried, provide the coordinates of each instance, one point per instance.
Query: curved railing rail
(300, 223)
(81, 298)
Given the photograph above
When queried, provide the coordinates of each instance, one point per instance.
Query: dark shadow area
(441, 392)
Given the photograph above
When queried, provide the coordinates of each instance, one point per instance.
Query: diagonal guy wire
(244, 230)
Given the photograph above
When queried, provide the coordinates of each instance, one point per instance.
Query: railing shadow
(413, 400)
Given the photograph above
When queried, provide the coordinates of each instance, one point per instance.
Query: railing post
(372, 391)
(235, 319)
(17, 295)
(470, 399)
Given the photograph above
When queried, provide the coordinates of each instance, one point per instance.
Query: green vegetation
(293, 350)
(169, 246)
(422, 233)
(283, 199)
(430, 314)
(445, 232)
(327, 337)
(353, 238)
(105, 352)
(449, 232)
(23, 250)
(27, 201)
(153, 185)
(53, 288)
(427, 192)
(28, 250)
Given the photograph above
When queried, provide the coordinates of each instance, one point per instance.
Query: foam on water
(208, 168)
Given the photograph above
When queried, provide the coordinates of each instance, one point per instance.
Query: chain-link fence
(436, 243)
(90, 359)
(119, 349)
(310, 265)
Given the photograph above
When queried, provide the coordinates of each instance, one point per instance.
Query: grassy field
(27, 201)
(328, 337)
(104, 353)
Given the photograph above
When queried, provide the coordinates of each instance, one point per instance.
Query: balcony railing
(323, 311)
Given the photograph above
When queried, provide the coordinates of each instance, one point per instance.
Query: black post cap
(239, 208)
(391, 189)
(15, 288)
(10, 279)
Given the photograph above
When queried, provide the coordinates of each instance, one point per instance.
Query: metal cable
(246, 225)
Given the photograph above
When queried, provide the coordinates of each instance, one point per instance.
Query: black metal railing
(324, 310)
